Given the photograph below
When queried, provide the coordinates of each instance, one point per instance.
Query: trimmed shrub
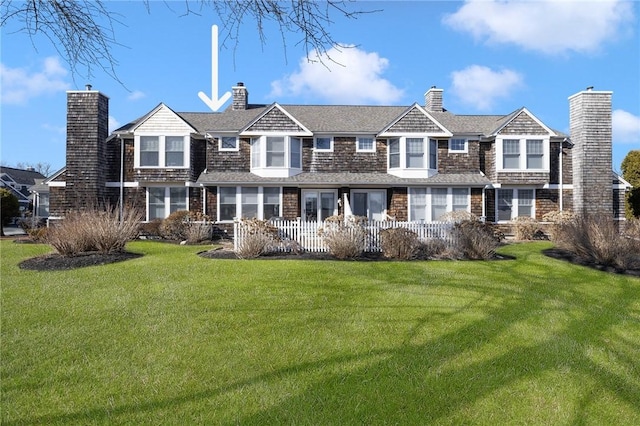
(258, 238)
(474, 240)
(94, 230)
(344, 238)
(151, 228)
(174, 227)
(433, 248)
(558, 221)
(525, 228)
(399, 243)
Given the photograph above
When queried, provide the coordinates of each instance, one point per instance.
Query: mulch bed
(57, 262)
(571, 257)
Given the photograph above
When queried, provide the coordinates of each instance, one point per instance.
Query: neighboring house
(413, 162)
(19, 182)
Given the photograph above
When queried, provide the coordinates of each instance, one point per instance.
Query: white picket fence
(299, 235)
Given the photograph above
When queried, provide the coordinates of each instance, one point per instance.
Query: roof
(22, 176)
(343, 178)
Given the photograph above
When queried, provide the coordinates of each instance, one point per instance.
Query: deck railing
(301, 235)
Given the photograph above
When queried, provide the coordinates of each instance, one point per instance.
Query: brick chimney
(87, 131)
(433, 100)
(240, 97)
(590, 127)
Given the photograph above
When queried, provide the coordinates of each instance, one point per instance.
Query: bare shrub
(525, 228)
(632, 228)
(433, 248)
(458, 216)
(151, 228)
(558, 219)
(94, 230)
(399, 243)
(174, 227)
(597, 239)
(474, 240)
(344, 238)
(257, 237)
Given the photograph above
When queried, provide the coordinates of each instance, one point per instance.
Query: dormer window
(228, 143)
(323, 143)
(276, 156)
(412, 156)
(161, 151)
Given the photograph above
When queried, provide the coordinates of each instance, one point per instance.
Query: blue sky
(490, 57)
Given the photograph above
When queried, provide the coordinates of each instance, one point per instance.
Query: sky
(489, 57)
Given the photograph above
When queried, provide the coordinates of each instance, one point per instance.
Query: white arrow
(214, 102)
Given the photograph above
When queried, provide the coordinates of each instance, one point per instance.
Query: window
(418, 203)
(161, 151)
(275, 151)
(415, 153)
(43, 204)
(323, 144)
(511, 154)
(433, 154)
(276, 156)
(370, 204)
(248, 202)
(365, 145)
(438, 202)
(228, 143)
(162, 201)
(174, 153)
(460, 199)
(319, 205)
(149, 151)
(457, 145)
(535, 153)
(512, 203)
(394, 153)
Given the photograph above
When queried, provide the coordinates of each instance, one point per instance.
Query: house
(413, 162)
(19, 182)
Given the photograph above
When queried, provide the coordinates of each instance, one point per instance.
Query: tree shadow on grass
(438, 377)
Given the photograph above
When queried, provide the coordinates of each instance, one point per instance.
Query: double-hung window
(415, 153)
(431, 203)
(161, 151)
(276, 156)
(275, 151)
(438, 202)
(460, 199)
(162, 201)
(410, 156)
(511, 154)
(535, 154)
(418, 204)
(512, 203)
(364, 144)
(394, 153)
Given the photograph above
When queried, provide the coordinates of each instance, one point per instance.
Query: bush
(93, 230)
(151, 228)
(344, 238)
(433, 248)
(174, 227)
(256, 237)
(458, 216)
(399, 243)
(597, 239)
(525, 228)
(558, 221)
(474, 240)
(183, 225)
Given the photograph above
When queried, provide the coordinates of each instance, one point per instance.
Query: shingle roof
(343, 178)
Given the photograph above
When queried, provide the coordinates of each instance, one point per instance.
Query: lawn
(173, 338)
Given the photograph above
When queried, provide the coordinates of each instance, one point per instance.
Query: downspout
(561, 206)
(121, 178)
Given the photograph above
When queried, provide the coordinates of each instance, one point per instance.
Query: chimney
(86, 168)
(590, 127)
(433, 100)
(240, 97)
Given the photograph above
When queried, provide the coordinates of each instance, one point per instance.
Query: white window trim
(162, 151)
(220, 148)
(167, 198)
(315, 143)
(239, 202)
(373, 146)
(262, 169)
(317, 191)
(515, 202)
(465, 150)
(369, 191)
(523, 153)
(429, 201)
(414, 172)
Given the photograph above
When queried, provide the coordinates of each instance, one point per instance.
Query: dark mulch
(571, 257)
(57, 262)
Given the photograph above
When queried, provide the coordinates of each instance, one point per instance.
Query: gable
(524, 123)
(275, 120)
(416, 120)
(162, 120)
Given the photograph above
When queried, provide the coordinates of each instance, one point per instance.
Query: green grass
(172, 338)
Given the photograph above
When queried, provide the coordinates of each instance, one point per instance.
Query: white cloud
(547, 26)
(135, 95)
(480, 86)
(19, 85)
(354, 78)
(626, 127)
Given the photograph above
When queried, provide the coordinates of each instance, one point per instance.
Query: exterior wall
(290, 203)
(523, 124)
(415, 122)
(490, 204)
(398, 203)
(275, 121)
(344, 157)
(458, 162)
(232, 161)
(87, 165)
(522, 178)
(590, 123)
(546, 201)
(476, 201)
(487, 159)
